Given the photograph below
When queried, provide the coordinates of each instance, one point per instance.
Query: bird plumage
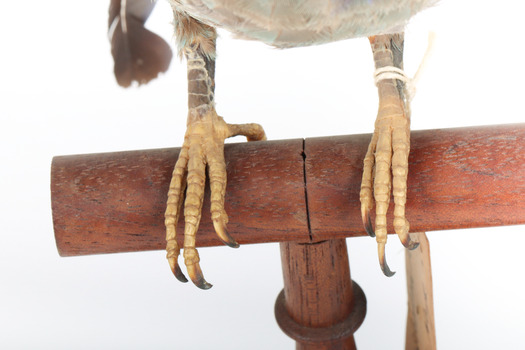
(294, 23)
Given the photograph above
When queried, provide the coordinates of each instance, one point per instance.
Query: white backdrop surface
(58, 96)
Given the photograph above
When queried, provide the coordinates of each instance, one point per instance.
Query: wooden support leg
(421, 333)
(320, 307)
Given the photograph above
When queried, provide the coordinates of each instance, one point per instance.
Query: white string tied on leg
(391, 72)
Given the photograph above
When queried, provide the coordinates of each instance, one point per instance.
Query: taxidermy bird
(140, 55)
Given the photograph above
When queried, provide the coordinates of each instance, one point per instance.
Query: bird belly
(295, 23)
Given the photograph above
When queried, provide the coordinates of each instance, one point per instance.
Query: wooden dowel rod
(457, 178)
(291, 190)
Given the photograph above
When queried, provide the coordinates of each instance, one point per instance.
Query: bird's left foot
(386, 161)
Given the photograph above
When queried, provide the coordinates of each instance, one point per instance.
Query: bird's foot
(385, 170)
(386, 161)
(203, 149)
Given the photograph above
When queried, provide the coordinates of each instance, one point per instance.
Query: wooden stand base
(320, 307)
(460, 178)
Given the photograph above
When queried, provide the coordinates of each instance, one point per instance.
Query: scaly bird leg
(203, 149)
(386, 161)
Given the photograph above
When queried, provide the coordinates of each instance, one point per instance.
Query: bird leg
(201, 152)
(386, 161)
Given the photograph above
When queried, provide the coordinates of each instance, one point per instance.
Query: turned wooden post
(320, 307)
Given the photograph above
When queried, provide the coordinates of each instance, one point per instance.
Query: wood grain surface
(290, 190)
(421, 329)
(320, 307)
(115, 202)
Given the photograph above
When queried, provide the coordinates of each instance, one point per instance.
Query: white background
(58, 96)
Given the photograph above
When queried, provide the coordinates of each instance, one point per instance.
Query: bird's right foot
(203, 149)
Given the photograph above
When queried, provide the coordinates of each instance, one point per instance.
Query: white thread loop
(391, 72)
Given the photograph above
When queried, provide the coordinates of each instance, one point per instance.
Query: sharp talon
(202, 284)
(220, 229)
(175, 269)
(367, 221)
(179, 275)
(386, 270)
(410, 244)
(382, 261)
(197, 278)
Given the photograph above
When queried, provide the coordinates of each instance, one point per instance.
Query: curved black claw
(410, 244)
(175, 268)
(367, 222)
(179, 275)
(197, 278)
(386, 270)
(382, 261)
(202, 284)
(220, 229)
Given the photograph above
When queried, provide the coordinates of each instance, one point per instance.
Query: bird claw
(367, 222)
(385, 168)
(197, 278)
(191, 259)
(220, 229)
(382, 261)
(409, 243)
(203, 148)
(177, 272)
(173, 251)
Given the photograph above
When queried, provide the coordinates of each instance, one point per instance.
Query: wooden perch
(291, 190)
